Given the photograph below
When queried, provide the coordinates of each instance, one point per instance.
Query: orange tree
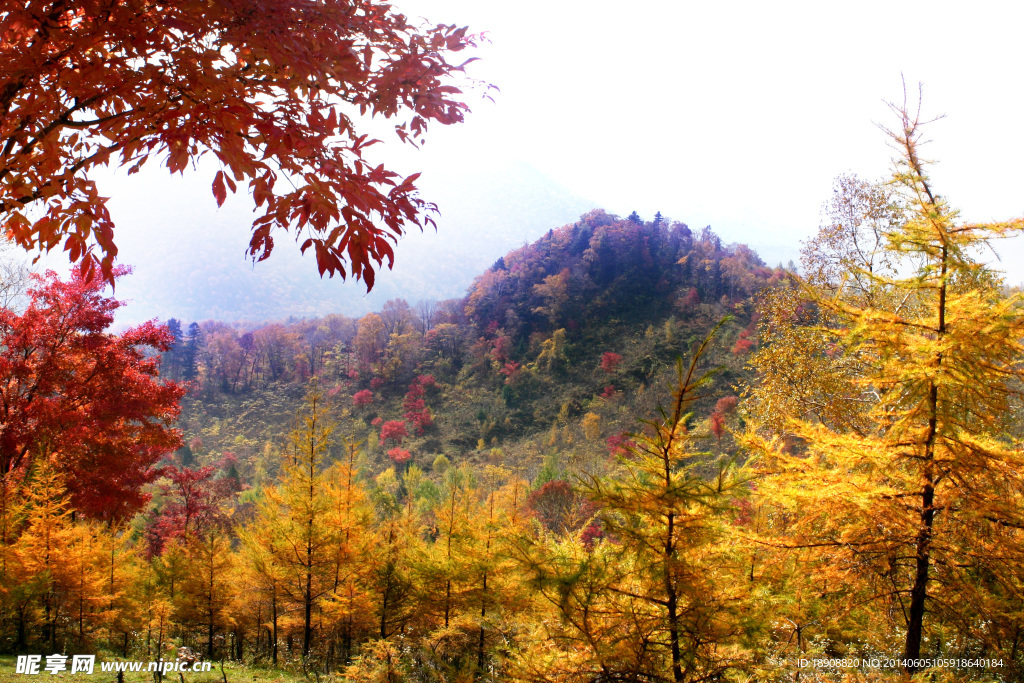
(271, 87)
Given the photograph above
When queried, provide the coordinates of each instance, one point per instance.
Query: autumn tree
(48, 533)
(262, 569)
(68, 387)
(559, 507)
(394, 430)
(499, 588)
(192, 502)
(298, 514)
(916, 503)
(209, 584)
(144, 605)
(389, 576)
(54, 570)
(348, 605)
(442, 573)
(188, 543)
(799, 369)
(610, 361)
(663, 602)
(273, 91)
(467, 586)
(370, 342)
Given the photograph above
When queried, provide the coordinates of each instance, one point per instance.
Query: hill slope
(555, 352)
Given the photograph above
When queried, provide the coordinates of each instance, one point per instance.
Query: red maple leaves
(92, 399)
(270, 87)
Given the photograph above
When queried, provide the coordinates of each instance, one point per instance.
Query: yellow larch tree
(261, 569)
(14, 598)
(122, 568)
(467, 587)
(348, 607)
(442, 571)
(390, 574)
(53, 565)
(206, 596)
(498, 597)
(297, 540)
(913, 508)
(663, 597)
(90, 602)
(48, 533)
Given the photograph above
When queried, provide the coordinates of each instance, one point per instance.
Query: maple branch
(69, 123)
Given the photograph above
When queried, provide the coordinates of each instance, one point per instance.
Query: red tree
(399, 455)
(416, 406)
(193, 504)
(692, 299)
(92, 398)
(558, 507)
(272, 88)
(726, 404)
(747, 339)
(717, 422)
(394, 430)
(620, 445)
(610, 361)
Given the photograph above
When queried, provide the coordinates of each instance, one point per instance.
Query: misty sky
(739, 115)
(734, 115)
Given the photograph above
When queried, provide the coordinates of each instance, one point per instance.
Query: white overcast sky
(737, 115)
(740, 114)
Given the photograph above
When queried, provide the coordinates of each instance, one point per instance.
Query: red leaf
(218, 188)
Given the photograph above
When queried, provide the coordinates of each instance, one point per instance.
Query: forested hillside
(559, 346)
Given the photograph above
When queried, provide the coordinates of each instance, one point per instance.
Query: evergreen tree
(172, 358)
(190, 352)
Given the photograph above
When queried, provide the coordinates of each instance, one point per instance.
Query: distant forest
(520, 352)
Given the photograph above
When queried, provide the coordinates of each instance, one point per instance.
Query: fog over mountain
(189, 261)
(189, 257)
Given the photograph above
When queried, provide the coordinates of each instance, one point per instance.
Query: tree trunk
(919, 592)
(923, 543)
(274, 608)
(671, 603)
